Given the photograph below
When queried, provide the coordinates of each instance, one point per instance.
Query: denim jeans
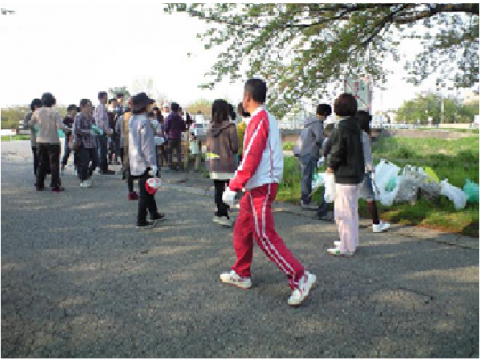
(67, 152)
(307, 164)
(102, 152)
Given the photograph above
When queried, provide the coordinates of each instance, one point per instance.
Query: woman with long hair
(222, 144)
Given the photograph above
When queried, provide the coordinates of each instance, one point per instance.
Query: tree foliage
(147, 86)
(301, 48)
(203, 105)
(113, 91)
(11, 116)
(424, 106)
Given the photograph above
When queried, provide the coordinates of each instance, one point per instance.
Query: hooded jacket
(312, 144)
(222, 141)
(346, 157)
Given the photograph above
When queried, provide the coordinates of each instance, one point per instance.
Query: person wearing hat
(142, 158)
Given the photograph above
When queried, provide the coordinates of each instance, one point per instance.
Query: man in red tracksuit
(259, 173)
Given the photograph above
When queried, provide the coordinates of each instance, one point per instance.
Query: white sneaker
(337, 252)
(216, 219)
(337, 243)
(83, 184)
(304, 287)
(380, 227)
(224, 221)
(88, 183)
(237, 280)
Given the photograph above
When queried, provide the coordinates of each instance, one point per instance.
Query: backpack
(305, 135)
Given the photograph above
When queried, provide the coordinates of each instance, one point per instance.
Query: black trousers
(36, 161)
(48, 154)
(88, 162)
(175, 144)
(222, 208)
(145, 201)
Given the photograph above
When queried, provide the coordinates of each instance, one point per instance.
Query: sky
(76, 48)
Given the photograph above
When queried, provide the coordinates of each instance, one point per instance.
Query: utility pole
(442, 109)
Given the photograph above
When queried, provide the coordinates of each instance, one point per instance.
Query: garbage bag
(329, 188)
(391, 184)
(384, 171)
(454, 193)
(410, 184)
(386, 176)
(428, 171)
(471, 190)
(430, 191)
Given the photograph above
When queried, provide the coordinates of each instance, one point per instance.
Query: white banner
(362, 90)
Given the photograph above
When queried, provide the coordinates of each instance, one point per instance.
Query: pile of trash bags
(393, 184)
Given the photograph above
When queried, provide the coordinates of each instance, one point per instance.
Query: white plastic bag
(384, 171)
(159, 140)
(454, 193)
(329, 181)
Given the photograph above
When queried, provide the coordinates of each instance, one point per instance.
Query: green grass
(15, 137)
(456, 160)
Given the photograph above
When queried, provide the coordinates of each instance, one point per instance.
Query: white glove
(320, 162)
(372, 176)
(228, 196)
(154, 170)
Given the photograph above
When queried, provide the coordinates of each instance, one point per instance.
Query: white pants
(346, 215)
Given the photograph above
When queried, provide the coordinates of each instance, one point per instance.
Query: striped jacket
(262, 161)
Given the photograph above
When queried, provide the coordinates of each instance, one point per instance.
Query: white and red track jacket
(262, 161)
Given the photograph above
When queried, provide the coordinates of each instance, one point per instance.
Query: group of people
(246, 157)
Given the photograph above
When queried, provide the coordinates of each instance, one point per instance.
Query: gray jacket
(141, 145)
(367, 152)
(33, 135)
(313, 144)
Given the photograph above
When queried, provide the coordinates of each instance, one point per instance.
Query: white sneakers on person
(234, 279)
(336, 252)
(336, 243)
(380, 227)
(216, 219)
(83, 183)
(305, 285)
(88, 183)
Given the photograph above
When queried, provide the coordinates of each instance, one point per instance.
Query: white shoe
(224, 221)
(304, 287)
(216, 219)
(337, 252)
(237, 280)
(83, 184)
(88, 183)
(337, 243)
(380, 227)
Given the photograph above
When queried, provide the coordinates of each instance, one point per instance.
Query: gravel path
(79, 280)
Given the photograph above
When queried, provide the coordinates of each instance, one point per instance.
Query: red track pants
(255, 220)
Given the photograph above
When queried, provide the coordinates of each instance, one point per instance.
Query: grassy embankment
(456, 160)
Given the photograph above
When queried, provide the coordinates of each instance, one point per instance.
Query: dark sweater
(346, 158)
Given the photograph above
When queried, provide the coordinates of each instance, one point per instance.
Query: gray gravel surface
(79, 280)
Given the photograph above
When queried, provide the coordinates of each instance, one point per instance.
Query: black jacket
(346, 157)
